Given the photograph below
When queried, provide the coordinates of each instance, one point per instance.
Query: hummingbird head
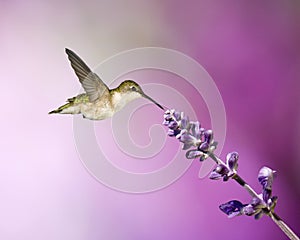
(130, 90)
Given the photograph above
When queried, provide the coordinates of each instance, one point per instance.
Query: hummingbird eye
(133, 88)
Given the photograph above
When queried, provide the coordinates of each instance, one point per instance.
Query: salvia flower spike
(200, 143)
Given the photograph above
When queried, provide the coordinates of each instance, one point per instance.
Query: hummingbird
(98, 102)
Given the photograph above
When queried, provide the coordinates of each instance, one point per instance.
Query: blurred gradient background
(250, 48)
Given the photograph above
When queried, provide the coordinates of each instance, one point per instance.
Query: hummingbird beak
(149, 98)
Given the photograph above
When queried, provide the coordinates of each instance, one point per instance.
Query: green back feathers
(81, 98)
(61, 108)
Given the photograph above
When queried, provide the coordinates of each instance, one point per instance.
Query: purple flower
(231, 160)
(220, 171)
(266, 177)
(260, 205)
(173, 133)
(171, 119)
(172, 125)
(185, 123)
(188, 141)
(177, 115)
(196, 129)
(227, 170)
(191, 154)
(232, 208)
(254, 208)
(190, 134)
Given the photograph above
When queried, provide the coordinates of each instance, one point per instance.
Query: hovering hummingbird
(98, 102)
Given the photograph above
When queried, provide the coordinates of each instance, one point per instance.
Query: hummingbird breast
(120, 100)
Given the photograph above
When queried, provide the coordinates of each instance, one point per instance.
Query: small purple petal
(166, 123)
(208, 136)
(256, 202)
(266, 177)
(272, 202)
(181, 133)
(173, 133)
(191, 154)
(248, 210)
(215, 176)
(172, 125)
(204, 147)
(186, 137)
(231, 207)
(185, 123)
(231, 160)
(195, 129)
(168, 116)
(177, 115)
(267, 194)
(234, 214)
(186, 146)
(219, 172)
(188, 140)
(222, 169)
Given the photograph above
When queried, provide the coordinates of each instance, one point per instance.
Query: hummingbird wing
(92, 84)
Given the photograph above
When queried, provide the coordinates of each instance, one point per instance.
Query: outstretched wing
(92, 84)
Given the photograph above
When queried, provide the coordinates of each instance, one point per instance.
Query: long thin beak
(149, 98)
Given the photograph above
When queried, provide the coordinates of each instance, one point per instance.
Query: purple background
(250, 48)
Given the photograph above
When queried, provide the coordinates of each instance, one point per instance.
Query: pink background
(250, 48)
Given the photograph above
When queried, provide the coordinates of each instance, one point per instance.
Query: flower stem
(236, 177)
(282, 225)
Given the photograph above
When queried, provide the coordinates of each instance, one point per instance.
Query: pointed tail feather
(61, 108)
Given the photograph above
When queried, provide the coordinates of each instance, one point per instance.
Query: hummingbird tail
(61, 108)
